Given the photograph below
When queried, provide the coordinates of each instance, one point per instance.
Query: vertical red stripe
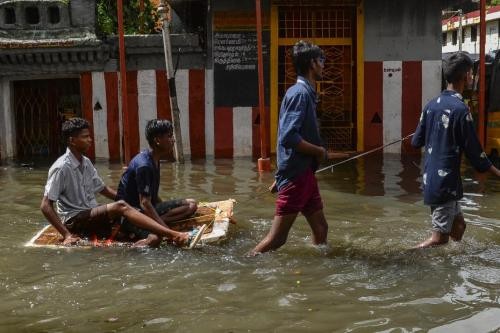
(133, 111)
(162, 96)
(197, 112)
(113, 116)
(373, 114)
(411, 99)
(87, 110)
(223, 136)
(256, 131)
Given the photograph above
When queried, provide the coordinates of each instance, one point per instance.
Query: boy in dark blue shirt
(140, 183)
(299, 151)
(446, 130)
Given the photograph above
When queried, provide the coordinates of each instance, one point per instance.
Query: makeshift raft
(216, 215)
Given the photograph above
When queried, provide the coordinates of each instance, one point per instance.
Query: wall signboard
(235, 68)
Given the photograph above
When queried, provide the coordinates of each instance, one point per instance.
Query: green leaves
(135, 22)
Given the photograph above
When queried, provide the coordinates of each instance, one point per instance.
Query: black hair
(157, 127)
(303, 53)
(456, 66)
(73, 127)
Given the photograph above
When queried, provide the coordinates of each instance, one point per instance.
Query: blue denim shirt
(446, 130)
(297, 122)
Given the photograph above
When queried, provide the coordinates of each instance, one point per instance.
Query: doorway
(40, 107)
(333, 28)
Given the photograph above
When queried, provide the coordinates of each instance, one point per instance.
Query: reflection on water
(365, 280)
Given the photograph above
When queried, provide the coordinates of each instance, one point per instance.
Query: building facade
(470, 32)
(383, 64)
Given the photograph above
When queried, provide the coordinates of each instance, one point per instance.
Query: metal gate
(332, 28)
(40, 106)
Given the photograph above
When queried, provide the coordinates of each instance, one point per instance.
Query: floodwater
(366, 280)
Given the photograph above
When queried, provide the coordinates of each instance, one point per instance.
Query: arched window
(54, 15)
(9, 15)
(32, 15)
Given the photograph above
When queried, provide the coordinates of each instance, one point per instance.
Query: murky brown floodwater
(365, 281)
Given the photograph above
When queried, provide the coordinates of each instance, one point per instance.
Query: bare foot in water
(436, 239)
(151, 241)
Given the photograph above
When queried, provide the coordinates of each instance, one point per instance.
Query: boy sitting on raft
(139, 184)
(72, 183)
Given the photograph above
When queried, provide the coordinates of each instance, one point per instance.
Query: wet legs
(319, 227)
(121, 208)
(458, 229)
(437, 238)
(278, 234)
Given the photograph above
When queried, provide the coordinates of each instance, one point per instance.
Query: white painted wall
(392, 94)
(100, 117)
(431, 80)
(182, 85)
(7, 127)
(242, 131)
(146, 90)
(468, 45)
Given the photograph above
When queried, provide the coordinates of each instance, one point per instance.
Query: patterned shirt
(72, 185)
(446, 130)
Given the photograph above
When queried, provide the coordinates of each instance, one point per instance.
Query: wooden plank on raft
(216, 215)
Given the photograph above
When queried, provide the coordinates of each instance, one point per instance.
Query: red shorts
(300, 194)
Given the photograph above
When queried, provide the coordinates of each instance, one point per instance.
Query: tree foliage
(134, 21)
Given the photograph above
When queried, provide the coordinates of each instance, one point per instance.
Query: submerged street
(366, 280)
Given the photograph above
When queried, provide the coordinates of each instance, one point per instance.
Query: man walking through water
(446, 130)
(299, 152)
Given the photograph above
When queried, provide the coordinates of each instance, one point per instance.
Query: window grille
(331, 28)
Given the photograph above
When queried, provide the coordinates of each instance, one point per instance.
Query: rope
(190, 218)
(260, 193)
(365, 153)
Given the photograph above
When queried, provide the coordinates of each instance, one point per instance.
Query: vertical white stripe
(242, 131)
(146, 91)
(100, 116)
(431, 80)
(182, 85)
(209, 113)
(7, 129)
(392, 92)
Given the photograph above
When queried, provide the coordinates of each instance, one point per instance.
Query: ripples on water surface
(365, 281)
